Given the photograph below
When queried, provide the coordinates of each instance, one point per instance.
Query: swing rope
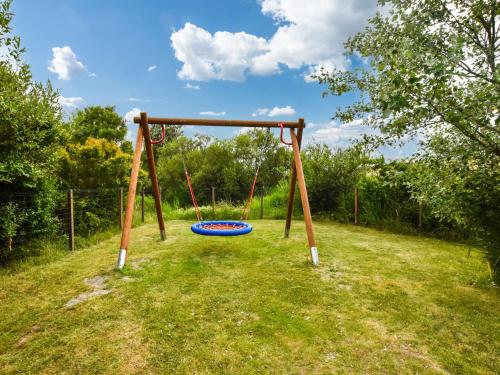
(193, 197)
(248, 203)
(246, 210)
(191, 190)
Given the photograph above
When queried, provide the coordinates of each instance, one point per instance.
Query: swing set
(216, 227)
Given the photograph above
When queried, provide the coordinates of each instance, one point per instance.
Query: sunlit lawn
(378, 303)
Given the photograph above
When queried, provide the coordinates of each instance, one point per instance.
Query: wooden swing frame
(143, 134)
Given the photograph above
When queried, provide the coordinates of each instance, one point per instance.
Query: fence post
(420, 214)
(356, 210)
(142, 204)
(261, 205)
(120, 205)
(213, 199)
(71, 221)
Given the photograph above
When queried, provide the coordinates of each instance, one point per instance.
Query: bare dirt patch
(97, 283)
(136, 264)
(26, 337)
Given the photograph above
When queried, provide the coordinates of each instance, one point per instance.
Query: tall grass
(269, 205)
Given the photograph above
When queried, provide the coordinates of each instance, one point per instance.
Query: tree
(330, 175)
(432, 67)
(98, 122)
(385, 191)
(97, 163)
(462, 185)
(30, 135)
(228, 165)
(259, 148)
(432, 70)
(172, 132)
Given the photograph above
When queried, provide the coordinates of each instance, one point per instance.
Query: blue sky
(237, 59)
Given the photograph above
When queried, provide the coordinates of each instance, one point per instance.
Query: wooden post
(305, 200)
(261, 205)
(120, 207)
(152, 173)
(142, 204)
(356, 212)
(420, 214)
(293, 182)
(71, 221)
(127, 225)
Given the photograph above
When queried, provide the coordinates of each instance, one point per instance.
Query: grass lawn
(378, 303)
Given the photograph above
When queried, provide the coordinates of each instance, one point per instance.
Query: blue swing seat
(221, 228)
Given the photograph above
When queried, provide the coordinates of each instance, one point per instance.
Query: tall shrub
(30, 124)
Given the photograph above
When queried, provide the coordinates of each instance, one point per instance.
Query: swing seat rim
(198, 228)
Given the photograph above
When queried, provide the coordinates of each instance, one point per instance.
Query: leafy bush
(30, 136)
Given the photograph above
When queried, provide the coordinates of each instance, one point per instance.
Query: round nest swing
(216, 227)
(221, 228)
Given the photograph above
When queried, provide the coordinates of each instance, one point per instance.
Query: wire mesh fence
(219, 204)
(84, 212)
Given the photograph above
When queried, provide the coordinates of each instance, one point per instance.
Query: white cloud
(151, 68)
(276, 111)
(338, 135)
(70, 103)
(131, 127)
(309, 34)
(260, 112)
(192, 87)
(283, 111)
(138, 100)
(129, 116)
(314, 70)
(212, 113)
(342, 136)
(223, 55)
(65, 64)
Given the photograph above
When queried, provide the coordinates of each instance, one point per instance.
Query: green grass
(378, 303)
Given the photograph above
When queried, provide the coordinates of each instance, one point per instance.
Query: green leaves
(97, 122)
(97, 163)
(433, 72)
(227, 165)
(30, 134)
(430, 54)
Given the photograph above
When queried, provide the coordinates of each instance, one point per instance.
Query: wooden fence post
(120, 207)
(71, 221)
(213, 199)
(262, 205)
(142, 204)
(356, 209)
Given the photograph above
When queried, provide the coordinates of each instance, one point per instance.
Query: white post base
(314, 256)
(122, 254)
